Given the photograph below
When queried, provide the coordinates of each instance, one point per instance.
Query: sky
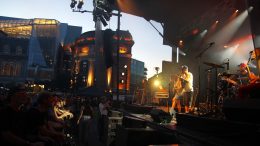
(148, 45)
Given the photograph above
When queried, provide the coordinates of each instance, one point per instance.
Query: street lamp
(126, 73)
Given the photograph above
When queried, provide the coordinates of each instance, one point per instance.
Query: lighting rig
(102, 9)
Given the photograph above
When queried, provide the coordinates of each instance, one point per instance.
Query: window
(6, 49)
(19, 50)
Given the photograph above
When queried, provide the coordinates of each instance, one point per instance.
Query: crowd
(45, 118)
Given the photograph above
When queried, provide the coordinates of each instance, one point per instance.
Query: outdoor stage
(194, 129)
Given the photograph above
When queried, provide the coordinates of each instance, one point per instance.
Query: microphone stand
(199, 89)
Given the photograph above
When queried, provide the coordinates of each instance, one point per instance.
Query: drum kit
(226, 86)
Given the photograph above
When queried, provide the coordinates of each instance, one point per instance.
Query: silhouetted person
(13, 121)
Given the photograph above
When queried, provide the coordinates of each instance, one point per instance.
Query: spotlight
(250, 9)
(217, 22)
(108, 9)
(73, 3)
(181, 43)
(103, 20)
(107, 16)
(156, 83)
(80, 4)
(237, 11)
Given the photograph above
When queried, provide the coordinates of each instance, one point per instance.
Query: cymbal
(213, 65)
(225, 74)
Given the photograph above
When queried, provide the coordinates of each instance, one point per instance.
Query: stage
(193, 129)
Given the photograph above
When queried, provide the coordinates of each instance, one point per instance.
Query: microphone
(227, 64)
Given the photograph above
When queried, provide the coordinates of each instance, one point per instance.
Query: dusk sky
(148, 45)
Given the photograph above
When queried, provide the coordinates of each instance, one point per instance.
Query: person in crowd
(38, 121)
(85, 109)
(60, 113)
(13, 121)
(103, 121)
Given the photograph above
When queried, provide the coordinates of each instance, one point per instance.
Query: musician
(187, 85)
(249, 87)
(243, 74)
(178, 90)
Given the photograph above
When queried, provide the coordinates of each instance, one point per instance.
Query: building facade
(87, 60)
(138, 75)
(40, 40)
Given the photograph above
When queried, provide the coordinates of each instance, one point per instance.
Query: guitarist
(249, 87)
(187, 85)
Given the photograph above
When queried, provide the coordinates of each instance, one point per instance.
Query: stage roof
(180, 17)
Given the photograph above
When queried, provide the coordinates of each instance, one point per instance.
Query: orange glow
(123, 50)
(67, 48)
(180, 43)
(234, 15)
(121, 86)
(85, 50)
(195, 31)
(213, 27)
(128, 39)
(90, 81)
(80, 40)
(242, 39)
(45, 21)
(24, 31)
(129, 7)
(109, 76)
(90, 38)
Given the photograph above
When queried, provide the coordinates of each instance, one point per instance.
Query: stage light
(217, 22)
(195, 31)
(250, 9)
(107, 16)
(203, 33)
(80, 4)
(156, 83)
(102, 20)
(181, 43)
(237, 11)
(73, 3)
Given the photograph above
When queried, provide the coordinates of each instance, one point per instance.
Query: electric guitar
(182, 80)
(252, 77)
